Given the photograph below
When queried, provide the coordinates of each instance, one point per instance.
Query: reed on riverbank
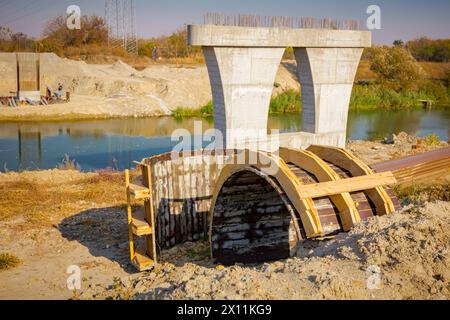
(377, 96)
(364, 96)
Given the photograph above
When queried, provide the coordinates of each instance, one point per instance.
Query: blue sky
(401, 19)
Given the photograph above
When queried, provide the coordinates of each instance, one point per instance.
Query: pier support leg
(326, 76)
(242, 81)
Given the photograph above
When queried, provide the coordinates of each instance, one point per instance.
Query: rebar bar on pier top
(250, 20)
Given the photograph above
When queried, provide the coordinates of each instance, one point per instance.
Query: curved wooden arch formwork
(310, 162)
(281, 200)
(274, 166)
(303, 196)
(346, 160)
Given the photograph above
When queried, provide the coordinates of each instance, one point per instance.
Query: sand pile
(156, 90)
(122, 68)
(399, 256)
(394, 146)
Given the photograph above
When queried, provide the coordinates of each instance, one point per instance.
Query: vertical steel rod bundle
(249, 20)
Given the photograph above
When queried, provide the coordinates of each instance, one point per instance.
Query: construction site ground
(53, 219)
(103, 91)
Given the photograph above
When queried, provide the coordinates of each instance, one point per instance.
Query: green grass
(286, 102)
(8, 261)
(439, 190)
(205, 111)
(369, 96)
(376, 96)
(432, 140)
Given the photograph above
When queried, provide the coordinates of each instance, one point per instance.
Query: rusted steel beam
(411, 161)
(417, 168)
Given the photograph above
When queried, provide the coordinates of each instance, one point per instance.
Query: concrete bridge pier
(326, 76)
(242, 81)
(242, 64)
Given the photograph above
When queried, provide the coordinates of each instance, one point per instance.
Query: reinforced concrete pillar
(242, 81)
(326, 77)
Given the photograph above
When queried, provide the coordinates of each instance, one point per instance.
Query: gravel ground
(53, 219)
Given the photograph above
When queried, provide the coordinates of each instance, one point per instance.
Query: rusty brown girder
(418, 168)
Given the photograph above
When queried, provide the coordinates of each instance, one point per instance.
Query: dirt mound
(400, 256)
(394, 146)
(81, 221)
(156, 90)
(123, 68)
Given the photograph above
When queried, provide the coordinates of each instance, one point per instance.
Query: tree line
(92, 39)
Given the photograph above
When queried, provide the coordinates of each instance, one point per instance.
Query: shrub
(432, 140)
(285, 102)
(425, 49)
(93, 31)
(379, 96)
(205, 111)
(8, 261)
(395, 67)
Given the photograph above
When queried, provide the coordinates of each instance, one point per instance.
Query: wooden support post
(129, 214)
(323, 172)
(149, 214)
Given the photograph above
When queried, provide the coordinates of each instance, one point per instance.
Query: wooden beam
(149, 213)
(137, 190)
(346, 185)
(139, 224)
(347, 161)
(129, 214)
(323, 172)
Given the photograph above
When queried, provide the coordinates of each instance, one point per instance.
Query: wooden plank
(343, 159)
(139, 223)
(137, 190)
(346, 185)
(185, 195)
(142, 261)
(323, 172)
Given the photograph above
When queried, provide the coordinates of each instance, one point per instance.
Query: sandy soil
(119, 90)
(394, 146)
(85, 225)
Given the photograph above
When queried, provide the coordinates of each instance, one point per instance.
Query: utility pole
(120, 19)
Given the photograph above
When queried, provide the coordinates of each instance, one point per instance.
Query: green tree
(93, 31)
(395, 66)
(425, 49)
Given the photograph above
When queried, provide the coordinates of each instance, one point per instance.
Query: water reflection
(116, 143)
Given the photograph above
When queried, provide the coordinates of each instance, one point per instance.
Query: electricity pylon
(120, 18)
